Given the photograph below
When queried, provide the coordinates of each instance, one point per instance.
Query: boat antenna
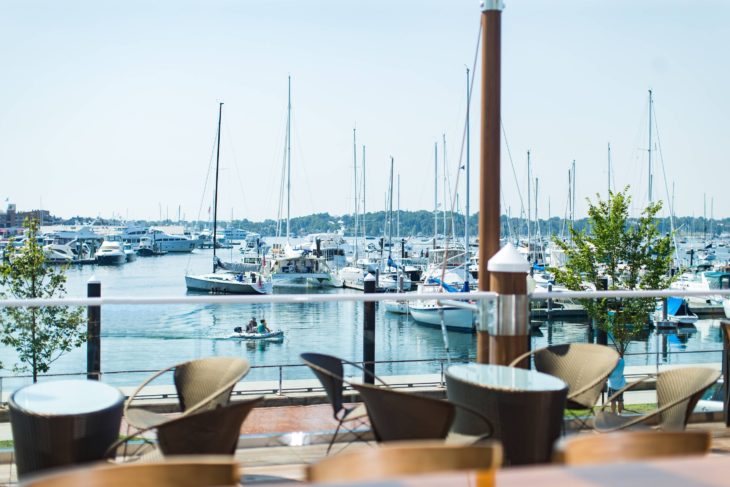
(354, 161)
(215, 192)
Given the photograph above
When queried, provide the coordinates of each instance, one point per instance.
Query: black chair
(402, 416)
(330, 372)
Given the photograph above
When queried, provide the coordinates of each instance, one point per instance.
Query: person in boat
(252, 325)
(238, 329)
(263, 328)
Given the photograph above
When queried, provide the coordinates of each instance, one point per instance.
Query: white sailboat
(290, 267)
(220, 282)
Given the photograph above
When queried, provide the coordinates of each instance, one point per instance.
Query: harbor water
(151, 337)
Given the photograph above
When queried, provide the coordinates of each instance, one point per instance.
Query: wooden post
(368, 333)
(93, 331)
(510, 335)
(489, 183)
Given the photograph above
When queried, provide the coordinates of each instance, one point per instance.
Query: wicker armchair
(402, 416)
(678, 391)
(583, 366)
(330, 372)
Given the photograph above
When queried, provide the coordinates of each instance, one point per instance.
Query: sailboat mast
(609, 170)
(364, 227)
(288, 160)
(354, 161)
(390, 209)
(466, 205)
(215, 192)
(529, 206)
(397, 213)
(435, 191)
(445, 198)
(651, 102)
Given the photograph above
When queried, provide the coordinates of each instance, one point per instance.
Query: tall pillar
(489, 209)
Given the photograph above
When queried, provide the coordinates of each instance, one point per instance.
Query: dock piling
(368, 333)
(93, 335)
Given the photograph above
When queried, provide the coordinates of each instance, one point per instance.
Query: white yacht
(227, 283)
(58, 254)
(129, 252)
(110, 253)
(431, 313)
(304, 270)
(703, 281)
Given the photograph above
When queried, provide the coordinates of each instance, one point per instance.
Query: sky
(110, 108)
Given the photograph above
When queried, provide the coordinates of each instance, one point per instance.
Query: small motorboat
(271, 335)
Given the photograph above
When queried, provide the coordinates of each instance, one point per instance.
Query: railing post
(93, 331)
(281, 381)
(510, 335)
(368, 333)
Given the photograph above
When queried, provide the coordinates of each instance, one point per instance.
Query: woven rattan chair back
(210, 432)
(173, 472)
(675, 384)
(329, 371)
(397, 416)
(196, 380)
(632, 446)
(405, 458)
(584, 367)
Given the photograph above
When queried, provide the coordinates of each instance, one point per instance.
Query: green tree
(629, 254)
(39, 335)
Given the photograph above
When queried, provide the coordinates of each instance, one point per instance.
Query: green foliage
(629, 254)
(39, 335)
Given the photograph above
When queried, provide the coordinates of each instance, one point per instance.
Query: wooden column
(510, 336)
(489, 208)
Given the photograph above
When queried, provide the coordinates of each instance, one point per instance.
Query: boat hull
(111, 259)
(216, 283)
(726, 307)
(274, 335)
(456, 319)
(397, 307)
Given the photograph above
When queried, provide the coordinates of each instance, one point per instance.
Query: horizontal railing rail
(358, 298)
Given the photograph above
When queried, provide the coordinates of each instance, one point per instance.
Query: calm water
(150, 337)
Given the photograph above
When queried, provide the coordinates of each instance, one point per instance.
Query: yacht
(703, 281)
(110, 253)
(58, 254)
(148, 248)
(235, 235)
(303, 270)
(228, 283)
(165, 242)
(431, 312)
(129, 252)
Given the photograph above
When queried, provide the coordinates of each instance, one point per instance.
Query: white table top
(66, 397)
(506, 378)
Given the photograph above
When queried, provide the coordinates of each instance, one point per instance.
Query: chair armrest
(154, 376)
(521, 358)
(479, 415)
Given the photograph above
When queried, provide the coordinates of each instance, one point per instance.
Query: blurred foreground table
(64, 422)
(524, 406)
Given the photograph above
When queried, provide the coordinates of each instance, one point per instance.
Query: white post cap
(93, 280)
(369, 277)
(508, 260)
(491, 5)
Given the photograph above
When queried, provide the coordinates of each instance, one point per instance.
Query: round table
(64, 422)
(524, 406)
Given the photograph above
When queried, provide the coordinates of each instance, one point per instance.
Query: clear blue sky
(110, 107)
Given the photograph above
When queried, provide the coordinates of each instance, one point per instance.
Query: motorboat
(229, 283)
(147, 248)
(397, 306)
(677, 312)
(58, 254)
(110, 253)
(303, 270)
(129, 252)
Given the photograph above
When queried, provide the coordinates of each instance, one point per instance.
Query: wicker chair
(631, 446)
(173, 472)
(678, 391)
(400, 416)
(330, 372)
(211, 432)
(406, 458)
(201, 384)
(583, 366)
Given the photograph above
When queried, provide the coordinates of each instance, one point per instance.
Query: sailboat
(222, 282)
(297, 267)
